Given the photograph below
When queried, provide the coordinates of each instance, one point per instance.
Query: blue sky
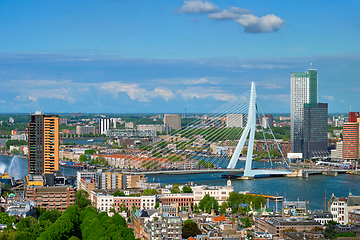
(162, 56)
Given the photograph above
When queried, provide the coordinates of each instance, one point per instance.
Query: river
(311, 189)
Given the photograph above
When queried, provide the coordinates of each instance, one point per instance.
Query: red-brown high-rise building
(351, 141)
(353, 116)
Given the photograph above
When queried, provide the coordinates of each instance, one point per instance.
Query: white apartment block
(220, 193)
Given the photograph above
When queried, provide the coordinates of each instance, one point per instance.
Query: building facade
(351, 141)
(235, 120)
(104, 125)
(315, 143)
(50, 198)
(303, 90)
(43, 143)
(173, 120)
(85, 129)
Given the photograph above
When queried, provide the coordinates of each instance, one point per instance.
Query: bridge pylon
(250, 129)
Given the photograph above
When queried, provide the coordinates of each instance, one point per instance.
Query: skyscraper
(173, 120)
(104, 125)
(43, 143)
(308, 118)
(303, 90)
(315, 144)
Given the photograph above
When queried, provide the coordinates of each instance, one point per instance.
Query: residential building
(220, 193)
(338, 209)
(166, 227)
(104, 125)
(351, 141)
(294, 208)
(63, 121)
(129, 125)
(164, 128)
(235, 120)
(173, 120)
(321, 217)
(43, 143)
(337, 153)
(51, 198)
(72, 115)
(22, 136)
(314, 140)
(354, 217)
(21, 209)
(276, 225)
(104, 201)
(303, 90)
(85, 129)
(353, 117)
(182, 199)
(267, 121)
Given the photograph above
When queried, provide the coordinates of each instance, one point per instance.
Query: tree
(187, 189)
(246, 222)
(150, 192)
(82, 199)
(118, 194)
(224, 207)
(83, 158)
(175, 189)
(329, 233)
(190, 229)
(157, 205)
(207, 203)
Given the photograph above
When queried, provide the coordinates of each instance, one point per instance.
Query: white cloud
(231, 14)
(331, 98)
(200, 92)
(196, 82)
(342, 101)
(198, 6)
(254, 24)
(135, 92)
(239, 10)
(224, 15)
(163, 92)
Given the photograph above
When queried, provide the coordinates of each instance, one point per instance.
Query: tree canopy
(175, 189)
(207, 203)
(186, 189)
(190, 229)
(150, 192)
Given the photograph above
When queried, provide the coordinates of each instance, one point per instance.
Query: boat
(242, 158)
(71, 164)
(90, 140)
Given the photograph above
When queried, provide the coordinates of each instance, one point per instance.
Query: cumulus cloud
(198, 6)
(231, 14)
(198, 81)
(224, 15)
(272, 86)
(254, 24)
(135, 92)
(239, 10)
(200, 92)
(330, 98)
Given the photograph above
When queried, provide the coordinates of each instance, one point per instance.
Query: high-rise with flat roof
(173, 120)
(303, 90)
(315, 131)
(43, 143)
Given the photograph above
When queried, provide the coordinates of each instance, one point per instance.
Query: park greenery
(15, 143)
(186, 189)
(150, 192)
(175, 189)
(118, 194)
(207, 203)
(79, 221)
(235, 200)
(190, 229)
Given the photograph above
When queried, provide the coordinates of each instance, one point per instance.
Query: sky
(162, 56)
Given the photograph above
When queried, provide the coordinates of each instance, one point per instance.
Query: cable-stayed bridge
(218, 140)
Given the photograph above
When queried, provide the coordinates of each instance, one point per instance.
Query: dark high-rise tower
(43, 143)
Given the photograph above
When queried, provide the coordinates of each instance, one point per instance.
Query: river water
(311, 189)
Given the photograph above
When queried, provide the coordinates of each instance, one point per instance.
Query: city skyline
(165, 56)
